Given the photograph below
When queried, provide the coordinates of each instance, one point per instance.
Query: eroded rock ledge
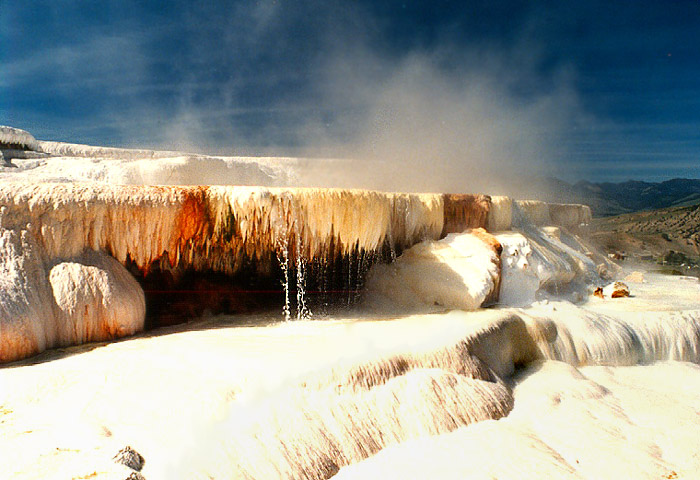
(198, 238)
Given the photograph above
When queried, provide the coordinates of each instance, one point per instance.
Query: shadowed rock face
(171, 300)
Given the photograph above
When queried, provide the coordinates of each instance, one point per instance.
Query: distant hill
(607, 199)
(670, 234)
(614, 198)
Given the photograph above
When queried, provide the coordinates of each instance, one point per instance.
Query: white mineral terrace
(253, 397)
(476, 349)
(219, 229)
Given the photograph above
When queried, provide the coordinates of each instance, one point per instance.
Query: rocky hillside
(614, 198)
(606, 199)
(669, 234)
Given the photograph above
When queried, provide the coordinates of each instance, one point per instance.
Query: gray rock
(131, 458)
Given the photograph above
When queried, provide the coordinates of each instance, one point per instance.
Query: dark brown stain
(464, 211)
(193, 225)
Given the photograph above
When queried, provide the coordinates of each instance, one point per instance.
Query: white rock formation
(45, 304)
(216, 228)
(538, 263)
(62, 149)
(532, 212)
(305, 399)
(506, 212)
(15, 136)
(570, 216)
(537, 213)
(520, 272)
(583, 337)
(97, 299)
(202, 228)
(222, 228)
(27, 316)
(156, 168)
(459, 272)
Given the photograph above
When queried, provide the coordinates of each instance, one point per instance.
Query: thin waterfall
(282, 244)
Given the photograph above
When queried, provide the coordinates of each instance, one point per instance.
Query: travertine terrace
(226, 229)
(417, 378)
(169, 236)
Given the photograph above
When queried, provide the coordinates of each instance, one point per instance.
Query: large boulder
(45, 304)
(97, 299)
(460, 272)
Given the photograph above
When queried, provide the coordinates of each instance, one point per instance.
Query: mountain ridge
(607, 199)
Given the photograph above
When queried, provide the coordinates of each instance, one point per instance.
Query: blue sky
(604, 91)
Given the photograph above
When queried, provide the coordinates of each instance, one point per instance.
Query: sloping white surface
(594, 423)
(301, 399)
(175, 169)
